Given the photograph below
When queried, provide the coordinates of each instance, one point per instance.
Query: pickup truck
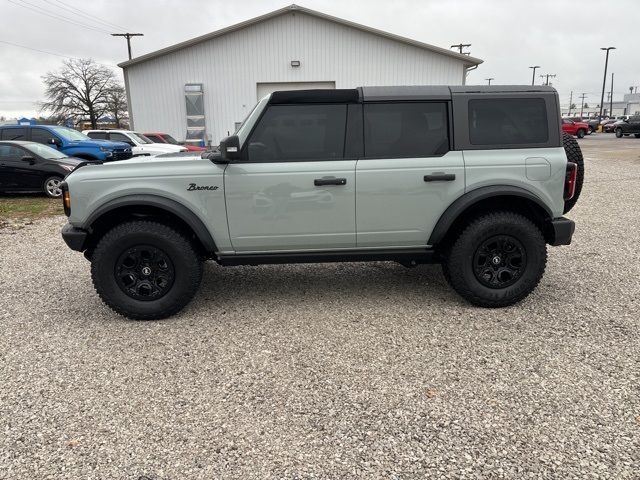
(68, 141)
(577, 129)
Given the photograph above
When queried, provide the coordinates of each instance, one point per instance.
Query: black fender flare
(467, 200)
(163, 203)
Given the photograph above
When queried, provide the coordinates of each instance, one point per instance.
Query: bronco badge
(193, 186)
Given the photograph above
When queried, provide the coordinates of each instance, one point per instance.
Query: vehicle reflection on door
(277, 201)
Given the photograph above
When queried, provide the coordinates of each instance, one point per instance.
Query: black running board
(409, 257)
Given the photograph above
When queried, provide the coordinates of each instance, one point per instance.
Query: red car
(157, 137)
(578, 129)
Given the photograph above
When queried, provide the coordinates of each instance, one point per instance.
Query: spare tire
(574, 154)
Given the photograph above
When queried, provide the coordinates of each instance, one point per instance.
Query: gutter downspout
(466, 72)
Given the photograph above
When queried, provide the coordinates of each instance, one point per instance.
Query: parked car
(140, 145)
(607, 125)
(592, 123)
(33, 167)
(577, 129)
(157, 137)
(68, 141)
(366, 174)
(628, 127)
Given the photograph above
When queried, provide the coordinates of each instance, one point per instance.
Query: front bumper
(75, 238)
(561, 231)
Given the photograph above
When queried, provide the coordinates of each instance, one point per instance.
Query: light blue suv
(475, 178)
(68, 141)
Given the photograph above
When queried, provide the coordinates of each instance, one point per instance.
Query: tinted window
(40, 135)
(154, 138)
(405, 130)
(14, 134)
(97, 135)
(119, 137)
(299, 132)
(508, 121)
(9, 153)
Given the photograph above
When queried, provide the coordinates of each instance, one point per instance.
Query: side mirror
(230, 148)
(54, 141)
(28, 159)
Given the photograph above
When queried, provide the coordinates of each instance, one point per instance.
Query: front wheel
(618, 132)
(145, 270)
(497, 260)
(51, 187)
(580, 133)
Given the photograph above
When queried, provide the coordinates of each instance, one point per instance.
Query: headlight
(68, 168)
(105, 149)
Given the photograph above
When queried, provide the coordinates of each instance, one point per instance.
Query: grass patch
(29, 207)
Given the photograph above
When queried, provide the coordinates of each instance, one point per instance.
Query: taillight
(570, 180)
(66, 198)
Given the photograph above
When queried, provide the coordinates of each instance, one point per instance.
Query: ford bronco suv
(418, 174)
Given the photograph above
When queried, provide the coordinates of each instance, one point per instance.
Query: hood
(163, 147)
(101, 143)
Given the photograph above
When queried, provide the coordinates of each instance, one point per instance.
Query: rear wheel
(51, 187)
(619, 132)
(145, 270)
(580, 133)
(574, 154)
(497, 260)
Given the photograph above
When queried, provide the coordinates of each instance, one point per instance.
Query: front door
(408, 176)
(293, 189)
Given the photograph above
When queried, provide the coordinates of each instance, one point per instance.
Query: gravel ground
(350, 371)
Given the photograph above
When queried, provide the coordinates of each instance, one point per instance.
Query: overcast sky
(562, 36)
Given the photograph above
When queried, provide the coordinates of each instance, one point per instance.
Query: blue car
(68, 141)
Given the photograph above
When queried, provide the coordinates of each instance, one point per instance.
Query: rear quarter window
(508, 121)
(13, 134)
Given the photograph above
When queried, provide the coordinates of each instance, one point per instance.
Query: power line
(50, 14)
(49, 53)
(128, 37)
(81, 13)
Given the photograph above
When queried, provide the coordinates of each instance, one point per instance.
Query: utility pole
(128, 37)
(533, 78)
(547, 75)
(582, 103)
(604, 80)
(460, 46)
(570, 102)
(489, 80)
(611, 101)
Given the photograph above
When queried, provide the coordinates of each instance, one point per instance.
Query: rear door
(408, 175)
(16, 174)
(295, 187)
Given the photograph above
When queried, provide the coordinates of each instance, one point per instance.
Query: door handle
(319, 182)
(440, 177)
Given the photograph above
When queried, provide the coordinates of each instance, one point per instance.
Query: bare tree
(79, 90)
(117, 103)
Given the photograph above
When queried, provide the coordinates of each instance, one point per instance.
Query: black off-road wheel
(497, 260)
(145, 270)
(574, 154)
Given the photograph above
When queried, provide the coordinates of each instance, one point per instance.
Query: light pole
(604, 81)
(489, 80)
(533, 78)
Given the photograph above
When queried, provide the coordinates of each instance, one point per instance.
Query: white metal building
(204, 86)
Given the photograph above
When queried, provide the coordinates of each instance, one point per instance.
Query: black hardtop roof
(403, 92)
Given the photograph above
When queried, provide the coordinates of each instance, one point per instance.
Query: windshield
(247, 124)
(138, 137)
(69, 134)
(45, 152)
(170, 139)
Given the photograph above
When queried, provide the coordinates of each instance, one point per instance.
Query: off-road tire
(458, 263)
(51, 186)
(618, 132)
(574, 154)
(580, 133)
(186, 265)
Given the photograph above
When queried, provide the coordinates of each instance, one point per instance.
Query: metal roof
(466, 59)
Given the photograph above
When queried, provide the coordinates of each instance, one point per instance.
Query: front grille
(122, 154)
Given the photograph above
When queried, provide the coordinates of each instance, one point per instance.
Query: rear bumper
(561, 231)
(75, 238)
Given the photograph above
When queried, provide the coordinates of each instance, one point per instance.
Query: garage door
(267, 88)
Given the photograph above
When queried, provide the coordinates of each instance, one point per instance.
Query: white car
(140, 145)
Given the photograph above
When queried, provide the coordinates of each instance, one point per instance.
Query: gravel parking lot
(341, 371)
